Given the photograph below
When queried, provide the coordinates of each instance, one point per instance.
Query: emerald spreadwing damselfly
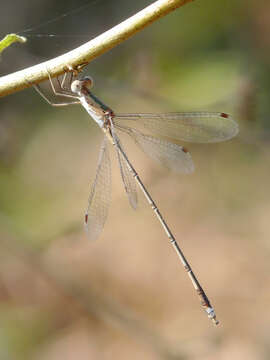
(200, 127)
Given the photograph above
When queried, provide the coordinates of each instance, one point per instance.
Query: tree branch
(90, 50)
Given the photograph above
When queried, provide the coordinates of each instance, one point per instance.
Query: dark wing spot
(224, 115)
(185, 150)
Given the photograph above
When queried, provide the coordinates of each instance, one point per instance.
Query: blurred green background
(126, 295)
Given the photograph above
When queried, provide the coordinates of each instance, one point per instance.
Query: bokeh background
(126, 296)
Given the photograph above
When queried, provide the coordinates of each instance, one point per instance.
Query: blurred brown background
(126, 296)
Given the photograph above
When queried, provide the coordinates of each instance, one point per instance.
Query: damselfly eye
(88, 82)
(76, 86)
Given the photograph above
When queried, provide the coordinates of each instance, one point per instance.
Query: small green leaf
(9, 39)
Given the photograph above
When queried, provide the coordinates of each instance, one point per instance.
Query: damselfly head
(77, 86)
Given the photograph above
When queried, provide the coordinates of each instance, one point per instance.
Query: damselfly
(202, 127)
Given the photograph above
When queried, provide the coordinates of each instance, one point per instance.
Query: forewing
(201, 127)
(171, 155)
(100, 195)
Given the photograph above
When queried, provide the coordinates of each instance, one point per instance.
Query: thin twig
(90, 50)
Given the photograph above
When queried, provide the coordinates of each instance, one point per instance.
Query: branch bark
(85, 53)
